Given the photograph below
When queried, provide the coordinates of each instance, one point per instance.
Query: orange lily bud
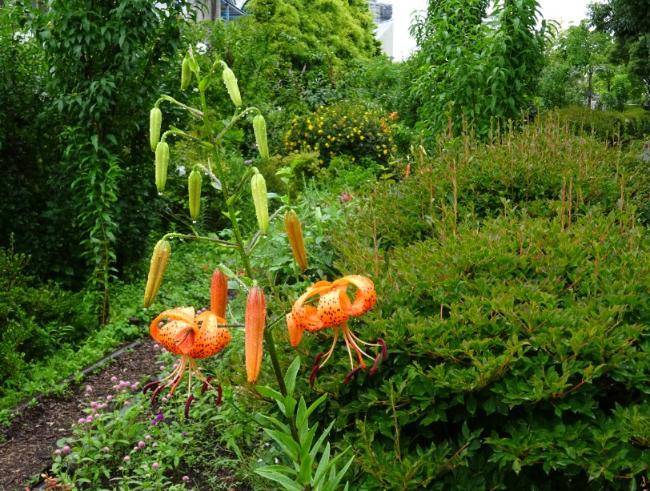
(219, 293)
(157, 267)
(294, 234)
(255, 320)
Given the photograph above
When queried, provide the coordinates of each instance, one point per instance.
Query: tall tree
(476, 67)
(105, 62)
(629, 21)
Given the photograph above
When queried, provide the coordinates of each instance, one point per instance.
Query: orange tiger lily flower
(327, 305)
(192, 336)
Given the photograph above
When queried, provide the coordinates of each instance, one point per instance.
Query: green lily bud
(162, 163)
(258, 190)
(259, 127)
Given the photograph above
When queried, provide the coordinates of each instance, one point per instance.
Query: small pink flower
(147, 437)
(109, 397)
(81, 421)
(89, 388)
(113, 379)
(106, 449)
(89, 419)
(57, 451)
(126, 458)
(65, 450)
(185, 478)
(155, 466)
(141, 444)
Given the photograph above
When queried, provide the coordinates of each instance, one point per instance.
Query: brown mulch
(31, 438)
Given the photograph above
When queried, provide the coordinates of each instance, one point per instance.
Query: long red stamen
(384, 348)
(150, 386)
(206, 384)
(351, 374)
(188, 403)
(217, 401)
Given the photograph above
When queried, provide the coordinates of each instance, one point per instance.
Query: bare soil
(32, 436)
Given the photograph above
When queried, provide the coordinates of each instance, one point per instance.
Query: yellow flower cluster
(342, 129)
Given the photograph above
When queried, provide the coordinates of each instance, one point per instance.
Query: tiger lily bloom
(327, 305)
(192, 336)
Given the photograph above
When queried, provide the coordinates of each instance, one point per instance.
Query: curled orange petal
(174, 335)
(365, 297)
(210, 338)
(333, 307)
(254, 322)
(219, 293)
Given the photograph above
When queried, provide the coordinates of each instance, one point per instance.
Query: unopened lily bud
(255, 321)
(186, 73)
(259, 128)
(162, 163)
(294, 233)
(219, 293)
(155, 122)
(232, 87)
(258, 190)
(157, 267)
(194, 190)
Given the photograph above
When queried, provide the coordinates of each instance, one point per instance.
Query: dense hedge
(611, 126)
(520, 349)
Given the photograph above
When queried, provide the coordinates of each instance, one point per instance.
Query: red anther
(351, 374)
(375, 366)
(150, 386)
(188, 403)
(217, 401)
(156, 393)
(384, 349)
(206, 384)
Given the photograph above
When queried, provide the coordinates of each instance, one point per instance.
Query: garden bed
(31, 438)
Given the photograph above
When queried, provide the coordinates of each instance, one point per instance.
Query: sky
(567, 12)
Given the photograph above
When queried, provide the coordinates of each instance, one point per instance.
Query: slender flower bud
(219, 293)
(259, 128)
(294, 234)
(255, 320)
(186, 73)
(258, 190)
(232, 87)
(157, 267)
(162, 163)
(194, 190)
(155, 122)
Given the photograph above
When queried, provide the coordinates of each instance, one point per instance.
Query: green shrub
(35, 320)
(529, 169)
(345, 128)
(519, 357)
(609, 126)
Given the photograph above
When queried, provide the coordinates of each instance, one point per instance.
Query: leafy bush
(519, 356)
(36, 320)
(342, 129)
(544, 169)
(609, 126)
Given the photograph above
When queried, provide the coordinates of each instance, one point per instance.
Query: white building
(383, 14)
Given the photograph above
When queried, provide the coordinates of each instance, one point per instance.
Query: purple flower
(159, 418)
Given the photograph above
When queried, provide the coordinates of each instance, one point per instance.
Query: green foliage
(344, 128)
(37, 320)
(103, 68)
(308, 465)
(315, 32)
(515, 356)
(609, 126)
(518, 334)
(469, 69)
